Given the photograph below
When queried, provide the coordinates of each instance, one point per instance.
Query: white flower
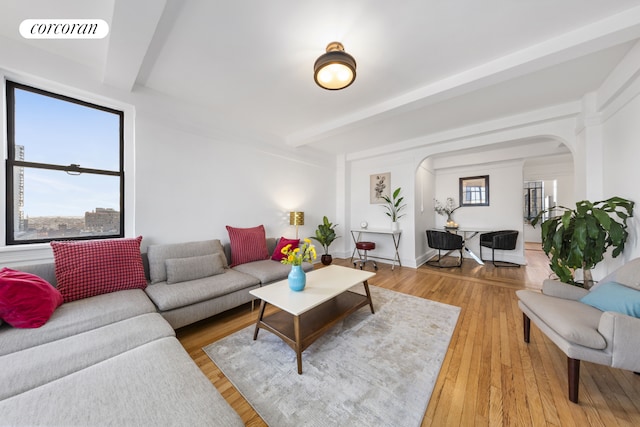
(447, 208)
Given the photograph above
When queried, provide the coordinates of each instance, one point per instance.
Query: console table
(356, 234)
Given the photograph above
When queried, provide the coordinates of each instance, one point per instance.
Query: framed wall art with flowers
(379, 187)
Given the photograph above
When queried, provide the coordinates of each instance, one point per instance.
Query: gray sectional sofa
(185, 302)
(113, 359)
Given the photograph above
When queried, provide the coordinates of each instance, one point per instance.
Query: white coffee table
(304, 316)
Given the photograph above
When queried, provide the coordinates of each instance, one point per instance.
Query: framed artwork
(379, 186)
(474, 191)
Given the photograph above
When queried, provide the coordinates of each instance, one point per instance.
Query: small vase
(326, 259)
(395, 226)
(297, 278)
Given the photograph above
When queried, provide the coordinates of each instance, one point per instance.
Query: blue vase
(297, 278)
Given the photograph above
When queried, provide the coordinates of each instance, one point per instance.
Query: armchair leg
(573, 366)
(526, 322)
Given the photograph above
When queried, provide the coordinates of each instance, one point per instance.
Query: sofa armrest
(559, 289)
(623, 339)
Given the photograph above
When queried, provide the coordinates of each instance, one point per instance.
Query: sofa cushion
(26, 300)
(282, 242)
(572, 320)
(155, 384)
(78, 316)
(247, 244)
(168, 297)
(197, 267)
(159, 254)
(54, 360)
(613, 296)
(88, 268)
(628, 275)
(268, 270)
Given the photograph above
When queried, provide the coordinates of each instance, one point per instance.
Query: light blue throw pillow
(613, 296)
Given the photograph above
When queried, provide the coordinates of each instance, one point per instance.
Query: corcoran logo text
(64, 29)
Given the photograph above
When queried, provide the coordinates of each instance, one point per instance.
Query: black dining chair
(502, 240)
(444, 241)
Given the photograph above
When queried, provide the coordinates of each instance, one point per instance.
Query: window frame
(466, 187)
(11, 163)
(539, 192)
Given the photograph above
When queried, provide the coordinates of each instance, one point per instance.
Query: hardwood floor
(489, 376)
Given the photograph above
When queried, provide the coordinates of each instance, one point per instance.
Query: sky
(59, 132)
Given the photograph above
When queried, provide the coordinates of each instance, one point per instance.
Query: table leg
(468, 235)
(474, 256)
(355, 240)
(263, 304)
(366, 289)
(396, 244)
(296, 332)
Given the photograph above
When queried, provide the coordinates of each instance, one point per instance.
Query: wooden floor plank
(489, 375)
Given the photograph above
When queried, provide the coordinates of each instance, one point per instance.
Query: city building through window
(65, 168)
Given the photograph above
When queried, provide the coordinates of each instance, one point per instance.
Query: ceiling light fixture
(335, 69)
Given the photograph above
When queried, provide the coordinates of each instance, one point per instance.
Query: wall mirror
(474, 191)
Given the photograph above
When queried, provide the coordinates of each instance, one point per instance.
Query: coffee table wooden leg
(263, 304)
(298, 343)
(366, 289)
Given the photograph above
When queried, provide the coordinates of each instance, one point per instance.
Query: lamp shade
(335, 69)
(296, 218)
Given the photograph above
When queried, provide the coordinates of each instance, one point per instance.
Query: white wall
(425, 195)
(621, 169)
(402, 175)
(189, 187)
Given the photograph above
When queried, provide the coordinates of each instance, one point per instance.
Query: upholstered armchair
(501, 240)
(443, 241)
(600, 325)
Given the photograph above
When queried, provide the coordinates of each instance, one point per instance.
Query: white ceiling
(424, 66)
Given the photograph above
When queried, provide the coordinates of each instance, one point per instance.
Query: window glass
(57, 131)
(65, 159)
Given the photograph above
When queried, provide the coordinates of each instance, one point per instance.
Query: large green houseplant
(325, 235)
(579, 238)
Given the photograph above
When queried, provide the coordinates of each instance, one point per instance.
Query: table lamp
(297, 219)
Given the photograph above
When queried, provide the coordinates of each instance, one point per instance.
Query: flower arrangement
(447, 208)
(306, 252)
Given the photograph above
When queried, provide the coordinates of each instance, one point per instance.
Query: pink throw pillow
(94, 267)
(277, 253)
(247, 244)
(26, 300)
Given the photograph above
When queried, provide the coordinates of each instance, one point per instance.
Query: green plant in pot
(325, 235)
(578, 238)
(393, 206)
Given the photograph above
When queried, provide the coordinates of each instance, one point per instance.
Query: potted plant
(393, 206)
(579, 238)
(325, 235)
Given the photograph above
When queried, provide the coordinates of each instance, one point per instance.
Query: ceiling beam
(132, 29)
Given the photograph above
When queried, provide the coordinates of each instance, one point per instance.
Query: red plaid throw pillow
(94, 267)
(247, 244)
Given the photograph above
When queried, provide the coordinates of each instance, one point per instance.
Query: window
(533, 199)
(65, 168)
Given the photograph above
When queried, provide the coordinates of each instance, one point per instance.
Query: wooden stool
(365, 246)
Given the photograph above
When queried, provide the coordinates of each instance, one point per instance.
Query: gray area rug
(369, 370)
